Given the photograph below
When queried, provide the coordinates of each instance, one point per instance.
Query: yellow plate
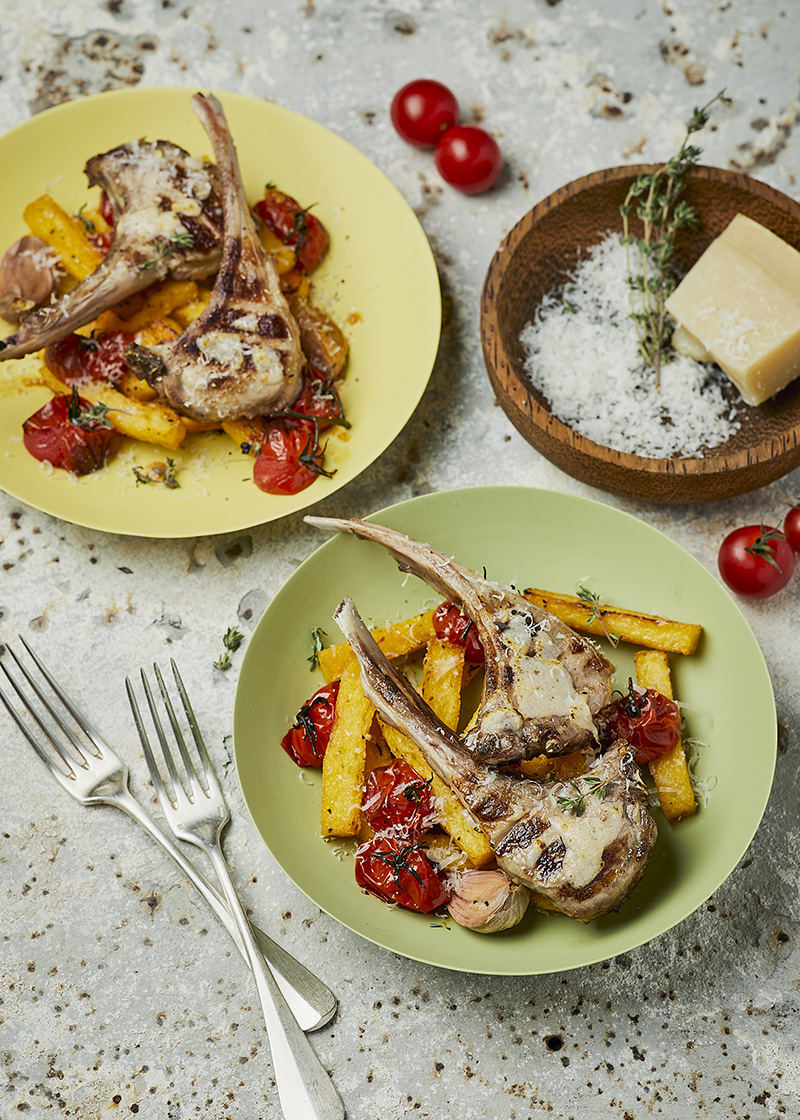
(378, 280)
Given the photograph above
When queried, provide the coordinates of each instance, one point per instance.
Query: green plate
(377, 277)
(524, 537)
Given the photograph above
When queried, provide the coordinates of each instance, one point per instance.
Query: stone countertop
(120, 994)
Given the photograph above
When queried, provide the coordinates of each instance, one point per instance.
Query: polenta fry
(343, 764)
(398, 640)
(629, 626)
(670, 772)
(64, 234)
(143, 420)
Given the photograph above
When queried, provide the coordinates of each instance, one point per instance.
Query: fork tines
(202, 775)
(47, 716)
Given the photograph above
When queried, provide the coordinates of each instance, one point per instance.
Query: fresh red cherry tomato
(791, 528)
(756, 561)
(397, 871)
(290, 458)
(650, 722)
(76, 359)
(469, 159)
(452, 626)
(307, 739)
(296, 227)
(423, 110)
(71, 434)
(398, 801)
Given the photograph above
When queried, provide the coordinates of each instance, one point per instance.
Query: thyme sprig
(158, 472)
(166, 246)
(662, 216)
(89, 417)
(595, 787)
(317, 634)
(592, 600)
(231, 641)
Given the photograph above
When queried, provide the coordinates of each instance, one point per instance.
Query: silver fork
(95, 775)
(197, 812)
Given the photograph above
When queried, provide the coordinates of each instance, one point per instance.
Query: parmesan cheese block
(739, 306)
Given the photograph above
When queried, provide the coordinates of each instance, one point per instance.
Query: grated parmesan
(582, 355)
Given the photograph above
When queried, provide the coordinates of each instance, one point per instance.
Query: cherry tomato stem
(756, 561)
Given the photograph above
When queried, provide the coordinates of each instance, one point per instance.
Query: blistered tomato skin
(422, 111)
(296, 226)
(307, 739)
(398, 801)
(646, 719)
(469, 159)
(279, 467)
(452, 626)
(76, 358)
(51, 437)
(756, 561)
(398, 871)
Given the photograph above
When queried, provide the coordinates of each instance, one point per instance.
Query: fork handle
(312, 1002)
(306, 1091)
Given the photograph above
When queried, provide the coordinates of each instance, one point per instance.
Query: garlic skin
(28, 275)
(488, 901)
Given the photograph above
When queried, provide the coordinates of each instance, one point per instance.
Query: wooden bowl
(538, 255)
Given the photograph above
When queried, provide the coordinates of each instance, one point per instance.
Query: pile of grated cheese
(582, 355)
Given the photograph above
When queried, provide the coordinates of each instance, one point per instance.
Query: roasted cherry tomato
(398, 801)
(397, 871)
(77, 359)
(307, 739)
(319, 398)
(422, 111)
(756, 561)
(290, 458)
(296, 227)
(69, 433)
(469, 159)
(650, 722)
(452, 626)
(791, 528)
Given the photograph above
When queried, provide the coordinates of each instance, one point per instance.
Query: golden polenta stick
(670, 772)
(557, 769)
(343, 764)
(630, 626)
(397, 640)
(442, 676)
(161, 301)
(143, 420)
(63, 233)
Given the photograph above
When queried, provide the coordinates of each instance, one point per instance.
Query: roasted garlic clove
(488, 901)
(28, 275)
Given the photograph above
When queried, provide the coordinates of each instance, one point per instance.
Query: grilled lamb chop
(544, 682)
(582, 844)
(242, 357)
(169, 223)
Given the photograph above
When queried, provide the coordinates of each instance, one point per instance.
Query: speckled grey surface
(119, 993)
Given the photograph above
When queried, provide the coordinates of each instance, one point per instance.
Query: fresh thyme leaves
(158, 472)
(88, 224)
(166, 246)
(89, 417)
(569, 308)
(231, 641)
(662, 215)
(317, 634)
(595, 787)
(592, 600)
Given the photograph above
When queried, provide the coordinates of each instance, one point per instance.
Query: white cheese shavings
(583, 356)
(224, 349)
(248, 322)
